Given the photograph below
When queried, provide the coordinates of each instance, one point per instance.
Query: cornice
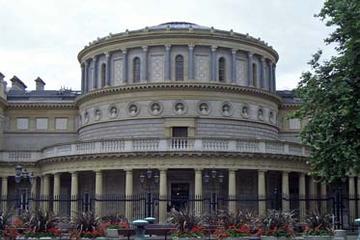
(35, 105)
(178, 86)
(142, 155)
(163, 34)
(289, 106)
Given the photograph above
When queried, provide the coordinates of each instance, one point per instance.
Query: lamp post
(338, 202)
(215, 178)
(149, 180)
(21, 173)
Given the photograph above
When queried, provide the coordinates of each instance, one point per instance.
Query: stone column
(86, 81)
(274, 78)
(33, 193)
(352, 204)
(167, 62)
(323, 194)
(233, 66)
(232, 190)
(129, 194)
(82, 78)
(56, 202)
(250, 70)
(191, 62)
(41, 203)
(74, 195)
(263, 79)
(98, 192)
(46, 193)
(125, 66)
(95, 73)
(144, 65)
(163, 196)
(285, 192)
(108, 69)
(198, 191)
(271, 77)
(302, 195)
(313, 194)
(4, 191)
(213, 63)
(261, 192)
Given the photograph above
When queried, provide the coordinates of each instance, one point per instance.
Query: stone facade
(141, 107)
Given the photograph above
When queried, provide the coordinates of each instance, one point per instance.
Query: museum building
(167, 112)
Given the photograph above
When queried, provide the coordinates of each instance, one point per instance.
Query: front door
(179, 195)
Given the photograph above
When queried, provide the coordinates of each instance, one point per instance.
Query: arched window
(136, 69)
(221, 70)
(103, 74)
(179, 68)
(255, 76)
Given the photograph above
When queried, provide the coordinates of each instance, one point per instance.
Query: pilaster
(98, 192)
(74, 195)
(163, 196)
(167, 62)
(144, 65)
(263, 79)
(129, 194)
(232, 190)
(125, 65)
(191, 61)
(108, 69)
(213, 63)
(198, 191)
(233, 65)
(250, 70)
(95, 73)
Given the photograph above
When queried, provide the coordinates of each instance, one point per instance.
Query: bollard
(140, 229)
(357, 222)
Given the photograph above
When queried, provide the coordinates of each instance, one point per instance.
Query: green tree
(330, 92)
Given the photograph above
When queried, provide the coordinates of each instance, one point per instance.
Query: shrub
(279, 224)
(187, 223)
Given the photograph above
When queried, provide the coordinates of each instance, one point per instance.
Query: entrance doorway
(179, 195)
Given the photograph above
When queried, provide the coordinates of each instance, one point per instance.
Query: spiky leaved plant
(5, 219)
(39, 221)
(318, 224)
(87, 221)
(278, 223)
(186, 222)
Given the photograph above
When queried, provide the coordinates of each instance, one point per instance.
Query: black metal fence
(143, 205)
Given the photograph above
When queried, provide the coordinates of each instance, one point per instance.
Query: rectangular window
(41, 123)
(61, 123)
(181, 132)
(294, 123)
(22, 123)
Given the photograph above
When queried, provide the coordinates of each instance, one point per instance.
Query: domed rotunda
(168, 116)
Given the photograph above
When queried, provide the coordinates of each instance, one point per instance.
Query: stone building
(177, 111)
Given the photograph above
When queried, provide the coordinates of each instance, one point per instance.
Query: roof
(288, 97)
(178, 25)
(43, 95)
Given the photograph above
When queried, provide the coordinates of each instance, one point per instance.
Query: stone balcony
(160, 145)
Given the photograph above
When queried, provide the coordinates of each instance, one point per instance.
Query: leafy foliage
(5, 218)
(39, 221)
(86, 222)
(330, 93)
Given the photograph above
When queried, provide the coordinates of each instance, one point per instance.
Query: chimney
(40, 84)
(17, 84)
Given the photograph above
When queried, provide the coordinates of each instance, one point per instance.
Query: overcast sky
(42, 38)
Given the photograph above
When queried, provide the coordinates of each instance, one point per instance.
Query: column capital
(124, 51)
(145, 48)
(57, 174)
(213, 48)
(262, 59)
(128, 169)
(233, 51)
(191, 46)
(163, 169)
(107, 54)
(94, 58)
(73, 173)
(232, 169)
(198, 169)
(250, 54)
(167, 47)
(262, 170)
(99, 171)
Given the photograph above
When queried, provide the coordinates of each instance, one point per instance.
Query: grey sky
(42, 38)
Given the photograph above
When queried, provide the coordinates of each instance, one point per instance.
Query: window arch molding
(136, 69)
(221, 69)
(179, 67)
